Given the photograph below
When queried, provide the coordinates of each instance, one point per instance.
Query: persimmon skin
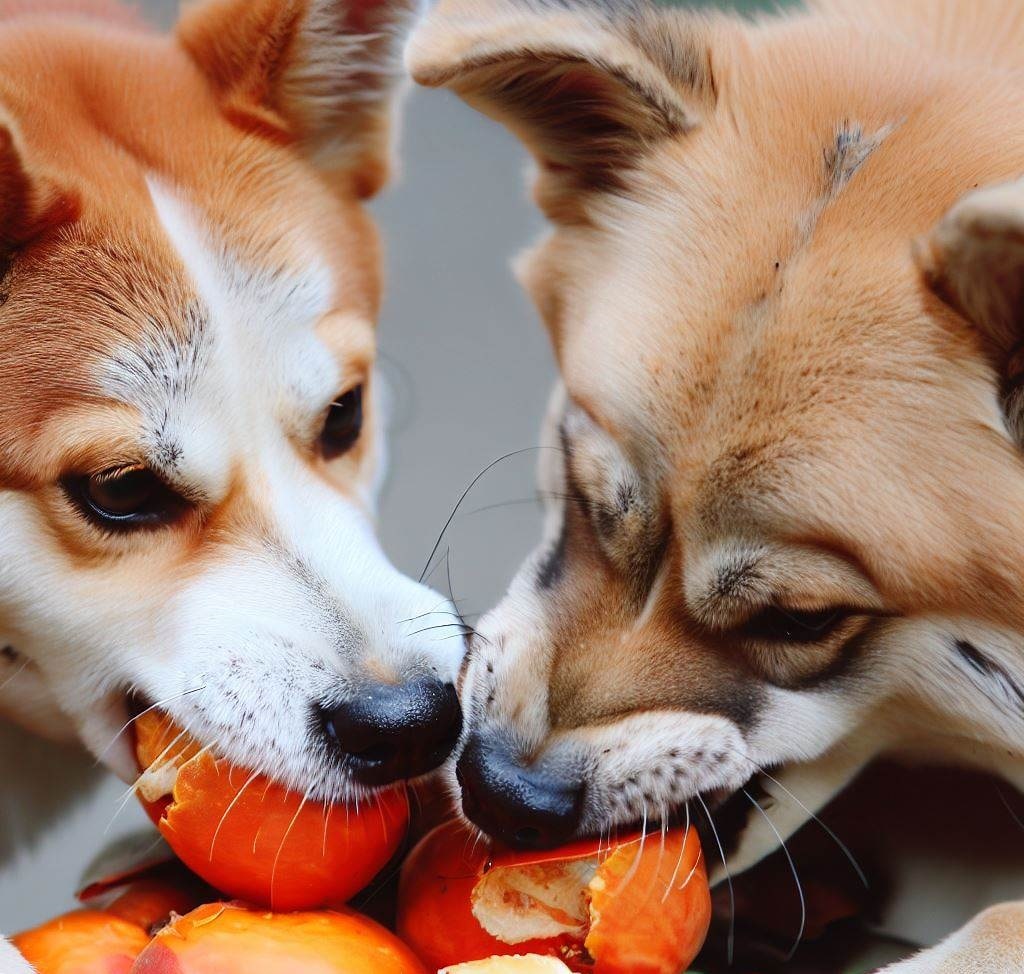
(149, 903)
(649, 903)
(83, 942)
(229, 938)
(251, 838)
(640, 929)
(435, 913)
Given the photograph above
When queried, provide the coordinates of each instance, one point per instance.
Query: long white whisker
(227, 811)
(679, 860)
(792, 868)
(728, 878)
(280, 848)
(151, 707)
(828, 831)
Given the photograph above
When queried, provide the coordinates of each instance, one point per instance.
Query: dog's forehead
(793, 378)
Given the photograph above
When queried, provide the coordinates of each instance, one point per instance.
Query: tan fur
(189, 284)
(771, 318)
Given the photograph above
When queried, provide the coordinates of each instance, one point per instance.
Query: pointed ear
(586, 89)
(321, 72)
(30, 203)
(974, 261)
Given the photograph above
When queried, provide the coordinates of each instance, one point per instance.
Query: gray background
(469, 371)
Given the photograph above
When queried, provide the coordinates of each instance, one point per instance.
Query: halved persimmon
(83, 942)
(252, 838)
(228, 938)
(634, 906)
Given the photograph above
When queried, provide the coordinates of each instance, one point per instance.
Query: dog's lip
(105, 729)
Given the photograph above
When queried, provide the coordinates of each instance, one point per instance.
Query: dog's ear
(974, 261)
(320, 72)
(587, 87)
(30, 203)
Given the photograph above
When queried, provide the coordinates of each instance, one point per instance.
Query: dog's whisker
(443, 625)
(153, 706)
(466, 492)
(433, 611)
(1006, 805)
(227, 811)
(861, 875)
(13, 676)
(693, 870)
(280, 848)
(679, 860)
(537, 498)
(792, 869)
(730, 942)
(635, 864)
(327, 819)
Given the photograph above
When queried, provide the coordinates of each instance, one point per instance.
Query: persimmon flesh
(83, 942)
(250, 837)
(634, 906)
(225, 938)
(515, 964)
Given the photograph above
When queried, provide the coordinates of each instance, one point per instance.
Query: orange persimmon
(83, 942)
(225, 938)
(252, 838)
(149, 903)
(636, 906)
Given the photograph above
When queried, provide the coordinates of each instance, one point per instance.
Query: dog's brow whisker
(792, 869)
(730, 942)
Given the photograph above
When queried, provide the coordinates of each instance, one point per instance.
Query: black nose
(391, 732)
(523, 806)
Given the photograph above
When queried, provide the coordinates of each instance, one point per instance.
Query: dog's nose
(391, 732)
(523, 806)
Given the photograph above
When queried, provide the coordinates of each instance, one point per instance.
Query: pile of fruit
(275, 872)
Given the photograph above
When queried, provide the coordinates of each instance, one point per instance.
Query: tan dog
(189, 436)
(785, 288)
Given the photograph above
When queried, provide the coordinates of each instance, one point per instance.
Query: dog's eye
(776, 624)
(343, 424)
(125, 498)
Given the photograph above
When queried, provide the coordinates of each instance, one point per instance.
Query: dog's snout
(391, 732)
(523, 806)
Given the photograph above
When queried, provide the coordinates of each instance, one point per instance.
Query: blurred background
(469, 371)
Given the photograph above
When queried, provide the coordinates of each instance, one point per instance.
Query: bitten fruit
(253, 839)
(634, 906)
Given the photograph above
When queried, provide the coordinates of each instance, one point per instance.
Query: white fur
(265, 625)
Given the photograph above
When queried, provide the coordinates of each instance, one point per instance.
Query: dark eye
(343, 424)
(125, 498)
(776, 624)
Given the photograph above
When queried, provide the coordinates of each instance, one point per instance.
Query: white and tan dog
(785, 288)
(189, 436)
